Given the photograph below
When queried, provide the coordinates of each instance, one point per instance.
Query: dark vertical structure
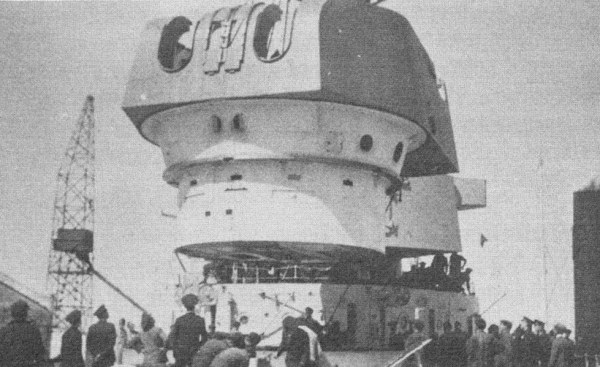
(71, 255)
(586, 258)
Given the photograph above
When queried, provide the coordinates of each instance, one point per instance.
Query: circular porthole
(366, 143)
(398, 152)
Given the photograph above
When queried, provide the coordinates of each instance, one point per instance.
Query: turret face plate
(344, 52)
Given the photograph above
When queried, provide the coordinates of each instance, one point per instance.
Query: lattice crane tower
(70, 264)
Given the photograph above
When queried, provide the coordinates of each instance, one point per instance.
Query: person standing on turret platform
(457, 263)
(186, 333)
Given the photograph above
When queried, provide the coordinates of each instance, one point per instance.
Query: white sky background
(523, 83)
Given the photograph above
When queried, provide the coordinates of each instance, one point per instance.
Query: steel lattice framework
(70, 265)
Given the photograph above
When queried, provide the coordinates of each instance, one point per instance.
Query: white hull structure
(374, 308)
(310, 143)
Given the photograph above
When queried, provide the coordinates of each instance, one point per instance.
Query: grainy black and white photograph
(300, 183)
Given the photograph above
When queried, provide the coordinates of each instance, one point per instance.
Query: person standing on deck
(563, 349)
(101, 338)
(310, 322)
(543, 344)
(524, 344)
(121, 340)
(504, 358)
(482, 347)
(449, 347)
(186, 333)
(153, 340)
(20, 340)
(414, 340)
(71, 345)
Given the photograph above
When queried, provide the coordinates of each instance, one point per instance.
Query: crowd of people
(447, 274)
(192, 345)
(528, 345)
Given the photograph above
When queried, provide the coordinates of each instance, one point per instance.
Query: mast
(70, 281)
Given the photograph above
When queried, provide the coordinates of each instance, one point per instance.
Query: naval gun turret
(310, 142)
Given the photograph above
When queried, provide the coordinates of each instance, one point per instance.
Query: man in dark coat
(450, 350)
(524, 344)
(504, 358)
(563, 349)
(482, 347)
(20, 340)
(543, 344)
(294, 342)
(70, 348)
(186, 333)
(310, 322)
(457, 263)
(101, 339)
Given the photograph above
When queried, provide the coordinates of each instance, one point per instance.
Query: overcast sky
(524, 94)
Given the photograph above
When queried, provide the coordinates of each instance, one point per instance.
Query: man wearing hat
(563, 350)
(70, 348)
(504, 358)
(186, 333)
(20, 340)
(101, 339)
(543, 344)
(482, 347)
(524, 344)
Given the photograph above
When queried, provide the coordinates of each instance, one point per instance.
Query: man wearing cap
(101, 338)
(186, 333)
(524, 344)
(482, 347)
(70, 347)
(563, 350)
(449, 348)
(20, 340)
(504, 358)
(543, 344)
